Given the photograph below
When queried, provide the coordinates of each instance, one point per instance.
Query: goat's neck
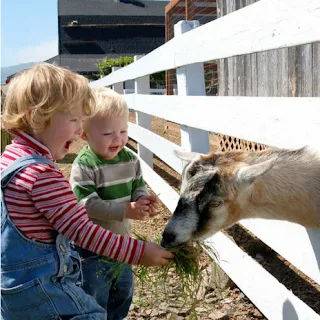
(288, 191)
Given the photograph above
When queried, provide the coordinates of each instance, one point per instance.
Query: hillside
(7, 71)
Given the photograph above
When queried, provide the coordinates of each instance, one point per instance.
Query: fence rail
(255, 28)
(279, 122)
(266, 120)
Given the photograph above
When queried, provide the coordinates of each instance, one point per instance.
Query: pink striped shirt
(40, 203)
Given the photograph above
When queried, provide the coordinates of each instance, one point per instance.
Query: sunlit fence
(278, 122)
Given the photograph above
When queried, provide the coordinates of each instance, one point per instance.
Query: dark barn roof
(111, 8)
(111, 40)
(90, 30)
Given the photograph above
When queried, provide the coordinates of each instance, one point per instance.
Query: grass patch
(180, 284)
(180, 281)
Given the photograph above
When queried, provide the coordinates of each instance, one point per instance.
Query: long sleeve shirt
(105, 187)
(41, 204)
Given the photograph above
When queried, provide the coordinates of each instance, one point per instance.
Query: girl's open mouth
(67, 145)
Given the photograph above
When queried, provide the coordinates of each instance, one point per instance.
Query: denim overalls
(38, 280)
(113, 293)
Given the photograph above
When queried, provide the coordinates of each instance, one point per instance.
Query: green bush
(105, 67)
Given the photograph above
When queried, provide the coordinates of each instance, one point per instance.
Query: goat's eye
(215, 204)
(192, 172)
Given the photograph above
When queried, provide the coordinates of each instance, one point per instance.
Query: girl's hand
(155, 255)
(138, 210)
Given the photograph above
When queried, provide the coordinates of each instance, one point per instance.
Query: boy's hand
(138, 210)
(155, 255)
(153, 205)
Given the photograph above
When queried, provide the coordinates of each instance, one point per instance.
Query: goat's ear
(249, 174)
(187, 155)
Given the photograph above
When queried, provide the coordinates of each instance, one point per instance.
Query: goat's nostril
(167, 239)
(170, 237)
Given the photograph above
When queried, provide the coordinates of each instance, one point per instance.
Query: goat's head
(213, 193)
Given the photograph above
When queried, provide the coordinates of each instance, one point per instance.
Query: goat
(221, 188)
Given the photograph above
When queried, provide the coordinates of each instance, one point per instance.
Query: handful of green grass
(184, 270)
(114, 270)
(181, 280)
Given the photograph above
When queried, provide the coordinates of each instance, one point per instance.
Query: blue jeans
(40, 281)
(113, 293)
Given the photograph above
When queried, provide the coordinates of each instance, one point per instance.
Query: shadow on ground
(69, 158)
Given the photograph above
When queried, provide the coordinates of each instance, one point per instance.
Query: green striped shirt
(105, 187)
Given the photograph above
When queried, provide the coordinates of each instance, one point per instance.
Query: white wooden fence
(280, 122)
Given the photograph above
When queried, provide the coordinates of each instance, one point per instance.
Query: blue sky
(29, 31)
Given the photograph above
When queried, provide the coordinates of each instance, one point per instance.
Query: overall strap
(10, 171)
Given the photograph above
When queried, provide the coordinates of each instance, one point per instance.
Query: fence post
(190, 82)
(117, 87)
(142, 86)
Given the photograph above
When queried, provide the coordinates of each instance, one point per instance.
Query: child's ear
(84, 136)
(28, 115)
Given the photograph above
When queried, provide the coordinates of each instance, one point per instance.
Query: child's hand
(138, 210)
(154, 204)
(155, 255)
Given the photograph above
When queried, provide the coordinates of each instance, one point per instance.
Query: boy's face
(64, 128)
(107, 136)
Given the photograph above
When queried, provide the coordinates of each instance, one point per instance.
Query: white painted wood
(190, 82)
(243, 31)
(257, 283)
(163, 55)
(142, 86)
(298, 245)
(160, 187)
(279, 122)
(287, 237)
(158, 145)
(273, 299)
(258, 27)
(117, 87)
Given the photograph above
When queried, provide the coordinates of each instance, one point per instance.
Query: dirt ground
(226, 303)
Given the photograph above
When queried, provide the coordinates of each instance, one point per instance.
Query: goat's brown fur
(272, 184)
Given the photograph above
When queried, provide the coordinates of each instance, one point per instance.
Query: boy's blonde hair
(36, 94)
(109, 104)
